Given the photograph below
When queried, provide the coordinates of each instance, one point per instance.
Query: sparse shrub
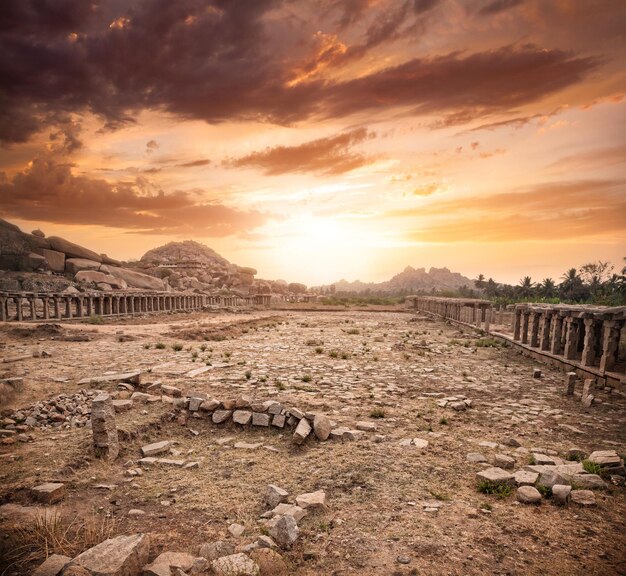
(159, 346)
(443, 422)
(146, 346)
(487, 343)
(177, 347)
(306, 378)
(377, 413)
(591, 467)
(248, 374)
(319, 350)
(95, 319)
(499, 490)
(333, 354)
(203, 347)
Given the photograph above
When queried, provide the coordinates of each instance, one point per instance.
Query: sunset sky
(319, 140)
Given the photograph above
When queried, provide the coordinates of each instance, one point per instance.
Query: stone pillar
(517, 324)
(570, 383)
(105, 440)
(131, 305)
(57, 308)
(33, 310)
(79, 307)
(589, 350)
(557, 332)
(571, 338)
(46, 307)
(89, 305)
(534, 329)
(610, 344)
(3, 308)
(18, 305)
(68, 307)
(544, 338)
(487, 312)
(525, 315)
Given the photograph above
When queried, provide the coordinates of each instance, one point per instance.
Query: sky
(320, 140)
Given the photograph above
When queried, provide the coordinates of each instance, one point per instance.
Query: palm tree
(526, 286)
(480, 281)
(572, 285)
(491, 288)
(548, 288)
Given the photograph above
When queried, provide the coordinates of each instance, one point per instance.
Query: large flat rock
(120, 556)
(72, 250)
(137, 279)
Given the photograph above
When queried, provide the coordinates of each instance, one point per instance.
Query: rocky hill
(410, 280)
(190, 265)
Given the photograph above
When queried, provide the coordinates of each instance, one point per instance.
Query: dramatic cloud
(48, 191)
(217, 62)
(331, 155)
(195, 163)
(497, 6)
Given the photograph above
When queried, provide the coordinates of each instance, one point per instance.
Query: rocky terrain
(409, 281)
(300, 443)
(34, 262)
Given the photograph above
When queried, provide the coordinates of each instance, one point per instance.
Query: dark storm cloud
(219, 61)
(50, 191)
(498, 6)
(331, 155)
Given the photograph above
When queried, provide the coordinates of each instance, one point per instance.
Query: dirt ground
(386, 502)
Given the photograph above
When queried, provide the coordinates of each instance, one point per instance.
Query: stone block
(312, 500)
(220, 416)
(302, 431)
(260, 419)
(235, 565)
(274, 495)
(49, 493)
(496, 476)
(284, 530)
(528, 495)
(322, 427)
(242, 417)
(156, 448)
(52, 565)
(561, 494)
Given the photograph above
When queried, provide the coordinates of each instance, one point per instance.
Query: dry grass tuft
(50, 533)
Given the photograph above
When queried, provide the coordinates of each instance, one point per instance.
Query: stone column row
(579, 334)
(468, 311)
(32, 306)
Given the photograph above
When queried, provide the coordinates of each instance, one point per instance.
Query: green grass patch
(499, 490)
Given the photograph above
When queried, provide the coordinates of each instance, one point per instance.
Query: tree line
(592, 283)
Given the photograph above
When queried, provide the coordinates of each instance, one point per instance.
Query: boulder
(214, 550)
(38, 233)
(235, 565)
(528, 495)
(72, 250)
(275, 495)
(100, 277)
(56, 260)
(322, 427)
(74, 265)
(32, 262)
(165, 562)
(270, 562)
(284, 530)
(312, 500)
(137, 279)
(583, 497)
(120, 556)
(52, 565)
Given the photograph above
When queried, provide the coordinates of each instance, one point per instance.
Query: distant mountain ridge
(409, 280)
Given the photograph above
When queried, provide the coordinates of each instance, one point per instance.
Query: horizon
(343, 142)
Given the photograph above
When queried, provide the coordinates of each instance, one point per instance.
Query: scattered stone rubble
(128, 555)
(551, 476)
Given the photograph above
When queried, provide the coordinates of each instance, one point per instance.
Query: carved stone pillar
(571, 338)
(589, 349)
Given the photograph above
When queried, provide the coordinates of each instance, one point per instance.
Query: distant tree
(572, 286)
(526, 287)
(480, 281)
(491, 288)
(547, 288)
(297, 288)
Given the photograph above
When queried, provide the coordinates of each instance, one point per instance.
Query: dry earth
(385, 501)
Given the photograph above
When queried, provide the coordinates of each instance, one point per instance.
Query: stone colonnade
(467, 310)
(586, 334)
(26, 306)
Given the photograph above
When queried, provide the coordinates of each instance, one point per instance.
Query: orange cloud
(332, 155)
